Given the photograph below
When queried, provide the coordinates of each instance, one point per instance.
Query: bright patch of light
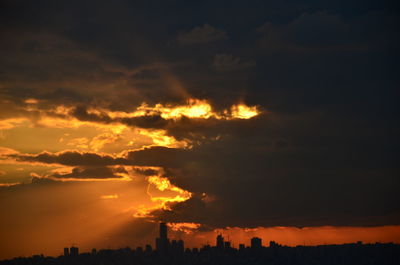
(112, 196)
(242, 111)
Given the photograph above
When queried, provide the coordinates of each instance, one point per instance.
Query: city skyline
(222, 252)
(164, 245)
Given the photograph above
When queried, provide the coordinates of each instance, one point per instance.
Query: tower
(256, 243)
(163, 230)
(73, 251)
(162, 242)
(66, 252)
(220, 242)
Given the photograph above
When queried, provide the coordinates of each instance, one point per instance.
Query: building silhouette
(173, 252)
(163, 230)
(256, 243)
(162, 242)
(66, 252)
(220, 242)
(73, 251)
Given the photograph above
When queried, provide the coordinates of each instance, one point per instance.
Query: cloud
(146, 171)
(156, 156)
(5, 151)
(202, 34)
(94, 172)
(265, 173)
(260, 170)
(69, 158)
(316, 32)
(229, 63)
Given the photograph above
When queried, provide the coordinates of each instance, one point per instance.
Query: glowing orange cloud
(12, 122)
(9, 184)
(114, 130)
(163, 184)
(170, 193)
(160, 138)
(194, 108)
(187, 228)
(242, 111)
(31, 101)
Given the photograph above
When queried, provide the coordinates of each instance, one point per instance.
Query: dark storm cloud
(327, 72)
(254, 182)
(272, 171)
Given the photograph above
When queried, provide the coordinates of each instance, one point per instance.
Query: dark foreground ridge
(222, 253)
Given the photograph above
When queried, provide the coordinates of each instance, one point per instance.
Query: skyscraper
(162, 242)
(66, 252)
(256, 243)
(220, 242)
(73, 251)
(163, 230)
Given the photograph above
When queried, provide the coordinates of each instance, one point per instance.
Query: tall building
(73, 251)
(66, 252)
(162, 242)
(241, 247)
(176, 247)
(256, 243)
(220, 242)
(181, 246)
(148, 249)
(163, 230)
(273, 244)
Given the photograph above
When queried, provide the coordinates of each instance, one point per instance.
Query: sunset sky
(276, 119)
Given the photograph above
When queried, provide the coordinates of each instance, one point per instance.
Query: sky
(276, 119)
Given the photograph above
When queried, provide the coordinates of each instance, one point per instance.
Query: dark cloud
(249, 183)
(152, 156)
(91, 173)
(202, 34)
(42, 181)
(228, 63)
(146, 171)
(275, 169)
(321, 31)
(70, 158)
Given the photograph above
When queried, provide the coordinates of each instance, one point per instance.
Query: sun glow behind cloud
(193, 108)
(242, 111)
(163, 184)
(114, 127)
